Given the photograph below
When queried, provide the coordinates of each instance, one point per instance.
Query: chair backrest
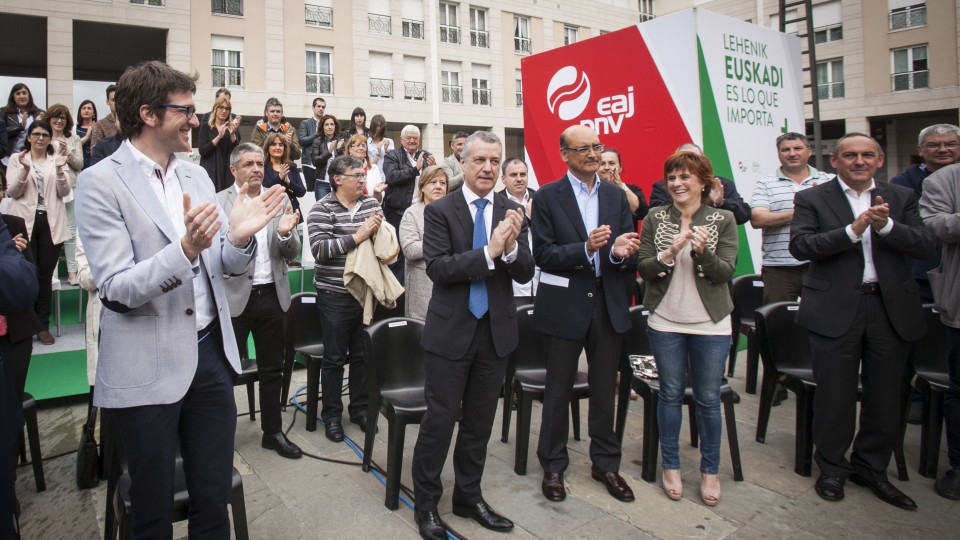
(747, 293)
(929, 353)
(303, 322)
(530, 352)
(393, 355)
(784, 344)
(636, 341)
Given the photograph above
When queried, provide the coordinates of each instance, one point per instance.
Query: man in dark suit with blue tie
(470, 330)
(584, 240)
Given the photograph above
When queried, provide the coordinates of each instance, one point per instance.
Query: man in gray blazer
(259, 297)
(159, 246)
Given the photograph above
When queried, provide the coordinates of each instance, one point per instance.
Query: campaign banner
(693, 76)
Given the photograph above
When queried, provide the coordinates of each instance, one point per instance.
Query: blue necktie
(478, 289)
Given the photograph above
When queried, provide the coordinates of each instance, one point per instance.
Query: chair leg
(730, 416)
(651, 436)
(902, 474)
(33, 435)
(694, 427)
(930, 434)
(753, 361)
(507, 407)
(623, 399)
(524, 410)
(734, 345)
(239, 509)
(803, 447)
(22, 449)
(395, 433)
(313, 392)
(373, 416)
(252, 401)
(57, 307)
(768, 389)
(575, 416)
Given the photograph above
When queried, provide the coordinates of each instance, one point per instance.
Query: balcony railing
(908, 17)
(379, 24)
(227, 76)
(148, 2)
(519, 99)
(521, 45)
(382, 88)
(412, 28)
(480, 38)
(414, 91)
(481, 96)
(450, 93)
(319, 16)
(319, 83)
(826, 34)
(449, 34)
(830, 90)
(911, 80)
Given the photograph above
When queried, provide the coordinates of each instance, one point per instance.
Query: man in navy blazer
(158, 245)
(584, 240)
(861, 306)
(471, 329)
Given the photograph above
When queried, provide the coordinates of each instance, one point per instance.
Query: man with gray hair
(274, 121)
(260, 296)
(401, 169)
(451, 164)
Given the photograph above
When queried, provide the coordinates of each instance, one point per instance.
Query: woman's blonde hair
(221, 101)
(428, 175)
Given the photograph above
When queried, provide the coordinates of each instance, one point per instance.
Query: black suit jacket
(831, 287)
(452, 264)
(21, 323)
(401, 176)
(732, 200)
(558, 246)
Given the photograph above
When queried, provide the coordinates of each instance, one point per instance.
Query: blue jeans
(707, 356)
(321, 189)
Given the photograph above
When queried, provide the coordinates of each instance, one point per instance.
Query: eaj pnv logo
(568, 93)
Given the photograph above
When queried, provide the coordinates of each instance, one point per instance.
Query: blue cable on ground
(356, 449)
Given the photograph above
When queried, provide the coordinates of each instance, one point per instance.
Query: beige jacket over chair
(367, 276)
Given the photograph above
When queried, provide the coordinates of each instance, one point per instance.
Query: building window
(479, 36)
(910, 68)
(227, 7)
(907, 16)
(646, 10)
(147, 2)
(827, 34)
(318, 71)
(519, 84)
(481, 92)
(571, 34)
(830, 79)
(449, 27)
(381, 75)
(521, 35)
(318, 13)
(450, 91)
(226, 61)
(414, 77)
(411, 12)
(377, 23)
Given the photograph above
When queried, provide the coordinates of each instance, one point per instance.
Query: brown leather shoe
(46, 337)
(552, 486)
(615, 483)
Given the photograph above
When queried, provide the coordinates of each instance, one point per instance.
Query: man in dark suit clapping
(861, 307)
(470, 330)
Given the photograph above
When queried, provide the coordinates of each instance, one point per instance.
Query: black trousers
(394, 217)
(471, 383)
(11, 424)
(603, 346)
(204, 422)
(872, 352)
(16, 354)
(263, 316)
(310, 177)
(341, 321)
(45, 254)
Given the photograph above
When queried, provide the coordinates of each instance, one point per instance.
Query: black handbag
(88, 458)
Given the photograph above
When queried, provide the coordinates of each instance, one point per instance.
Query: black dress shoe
(949, 485)
(431, 526)
(484, 515)
(829, 488)
(362, 422)
(615, 483)
(552, 486)
(283, 445)
(333, 430)
(886, 492)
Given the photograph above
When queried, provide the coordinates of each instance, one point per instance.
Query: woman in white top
(66, 142)
(378, 143)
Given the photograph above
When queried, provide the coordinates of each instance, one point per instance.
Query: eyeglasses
(950, 145)
(355, 176)
(188, 110)
(584, 150)
(38, 135)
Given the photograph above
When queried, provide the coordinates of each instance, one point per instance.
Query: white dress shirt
(860, 204)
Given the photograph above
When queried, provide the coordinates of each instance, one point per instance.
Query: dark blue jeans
(951, 402)
(706, 355)
(341, 320)
(321, 189)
